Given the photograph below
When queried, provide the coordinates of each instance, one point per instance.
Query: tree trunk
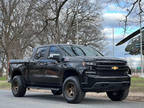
(0, 72)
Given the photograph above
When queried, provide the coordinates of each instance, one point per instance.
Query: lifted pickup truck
(71, 70)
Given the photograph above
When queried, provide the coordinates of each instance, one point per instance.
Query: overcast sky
(112, 17)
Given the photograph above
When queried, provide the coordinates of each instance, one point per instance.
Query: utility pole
(113, 40)
(141, 47)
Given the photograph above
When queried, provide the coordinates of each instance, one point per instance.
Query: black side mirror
(38, 55)
(55, 57)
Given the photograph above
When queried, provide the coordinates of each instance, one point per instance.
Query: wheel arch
(71, 72)
(16, 72)
(129, 71)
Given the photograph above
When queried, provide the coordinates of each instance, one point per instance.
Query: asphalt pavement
(47, 100)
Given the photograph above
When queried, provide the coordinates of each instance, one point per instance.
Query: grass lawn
(4, 83)
(2, 78)
(137, 84)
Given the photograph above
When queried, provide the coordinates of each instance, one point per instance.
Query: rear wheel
(18, 86)
(118, 95)
(72, 91)
(56, 92)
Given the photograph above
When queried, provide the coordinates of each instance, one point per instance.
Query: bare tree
(16, 25)
(77, 18)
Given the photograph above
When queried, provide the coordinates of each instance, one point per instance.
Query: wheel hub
(70, 90)
(15, 86)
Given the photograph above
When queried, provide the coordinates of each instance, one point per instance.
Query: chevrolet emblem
(115, 68)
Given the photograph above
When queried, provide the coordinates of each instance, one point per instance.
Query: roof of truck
(54, 45)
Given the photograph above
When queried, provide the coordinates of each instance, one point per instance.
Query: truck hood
(97, 58)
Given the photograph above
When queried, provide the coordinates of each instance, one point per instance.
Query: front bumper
(95, 83)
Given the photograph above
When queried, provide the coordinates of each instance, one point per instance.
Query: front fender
(75, 67)
(16, 69)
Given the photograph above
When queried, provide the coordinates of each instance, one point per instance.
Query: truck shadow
(60, 99)
(46, 97)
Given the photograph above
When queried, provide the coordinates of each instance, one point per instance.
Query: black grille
(105, 68)
(111, 63)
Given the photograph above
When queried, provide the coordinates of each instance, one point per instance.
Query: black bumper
(103, 84)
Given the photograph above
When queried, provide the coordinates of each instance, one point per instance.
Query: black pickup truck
(71, 70)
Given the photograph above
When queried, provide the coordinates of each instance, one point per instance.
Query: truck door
(37, 65)
(52, 74)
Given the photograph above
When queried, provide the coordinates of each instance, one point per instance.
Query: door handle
(34, 63)
(42, 63)
(52, 63)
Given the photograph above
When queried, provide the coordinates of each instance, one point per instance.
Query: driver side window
(53, 51)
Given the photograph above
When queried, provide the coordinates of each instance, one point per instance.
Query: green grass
(137, 84)
(4, 85)
(3, 78)
(137, 79)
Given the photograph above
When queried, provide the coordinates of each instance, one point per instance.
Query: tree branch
(130, 11)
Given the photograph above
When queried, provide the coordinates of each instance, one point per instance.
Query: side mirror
(55, 57)
(38, 55)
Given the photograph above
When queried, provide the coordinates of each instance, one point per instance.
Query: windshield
(79, 50)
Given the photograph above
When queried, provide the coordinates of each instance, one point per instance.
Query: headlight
(88, 63)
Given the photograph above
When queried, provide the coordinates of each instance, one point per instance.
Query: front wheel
(18, 86)
(118, 95)
(72, 91)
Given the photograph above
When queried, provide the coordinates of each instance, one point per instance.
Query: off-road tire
(118, 95)
(18, 86)
(77, 92)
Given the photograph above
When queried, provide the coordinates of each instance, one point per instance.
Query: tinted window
(40, 53)
(80, 50)
(68, 50)
(54, 50)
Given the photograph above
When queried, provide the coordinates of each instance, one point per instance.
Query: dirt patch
(136, 96)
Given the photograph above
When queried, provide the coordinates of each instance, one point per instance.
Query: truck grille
(104, 68)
